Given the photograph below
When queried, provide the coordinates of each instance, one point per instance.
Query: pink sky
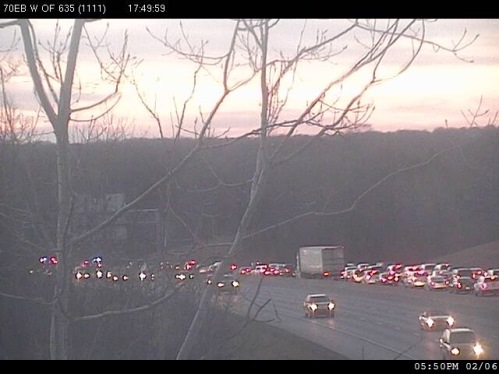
(435, 89)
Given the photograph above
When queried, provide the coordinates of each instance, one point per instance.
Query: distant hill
(485, 256)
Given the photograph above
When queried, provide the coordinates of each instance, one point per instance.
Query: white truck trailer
(325, 261)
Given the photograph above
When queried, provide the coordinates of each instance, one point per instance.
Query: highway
(372, 321)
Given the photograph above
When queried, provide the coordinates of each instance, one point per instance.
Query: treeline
(402, 196)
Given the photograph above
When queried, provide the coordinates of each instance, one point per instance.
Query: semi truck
(326, 261)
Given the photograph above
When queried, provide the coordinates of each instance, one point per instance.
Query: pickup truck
(486, 285)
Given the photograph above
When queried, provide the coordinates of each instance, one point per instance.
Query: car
(319, 305)
(346, 273)
(259, 269)
(416, 279)
(440, 268)
(228, 284)
(477, 272)
(287, 270)
(245, 270)
(436, 283)
(486, 285)
(434, 319)
(461, 272)
(388, 278)
(462, 285)
(460, 343)
(370, 277)
(428, 267)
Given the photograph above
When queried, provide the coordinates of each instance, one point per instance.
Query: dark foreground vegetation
(428, 194)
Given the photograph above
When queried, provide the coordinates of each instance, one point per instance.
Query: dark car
(462, 285)
(433, 319)
(228, 284)
(319, 305)
(460, 344)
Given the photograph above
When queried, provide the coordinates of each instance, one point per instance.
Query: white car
(436, 282)
(460, 343)
(486, 285)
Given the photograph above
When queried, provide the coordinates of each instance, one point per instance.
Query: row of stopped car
(430, 276)
(456, 343)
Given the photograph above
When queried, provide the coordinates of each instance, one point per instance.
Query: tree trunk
(260, 178)
(59, 325)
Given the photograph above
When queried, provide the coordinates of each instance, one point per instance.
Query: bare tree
(250, 57)
(328, 111)
(54, 88)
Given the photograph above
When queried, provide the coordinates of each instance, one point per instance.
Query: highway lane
(372, 321)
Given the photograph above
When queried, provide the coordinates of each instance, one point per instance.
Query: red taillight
(326, 274)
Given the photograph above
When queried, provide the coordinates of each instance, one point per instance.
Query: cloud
(435, 88)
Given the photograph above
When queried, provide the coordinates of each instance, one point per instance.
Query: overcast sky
(435, 89)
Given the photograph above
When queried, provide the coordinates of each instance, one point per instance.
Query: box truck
(320, 261)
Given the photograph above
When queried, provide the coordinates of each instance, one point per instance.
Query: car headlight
(331, 306)
(313, 307)
(450, 321)
(235, 284)
(430, 322)
(454, 351)
(478, 349)
(220, 284)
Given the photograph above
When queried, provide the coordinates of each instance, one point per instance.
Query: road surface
(372, 321)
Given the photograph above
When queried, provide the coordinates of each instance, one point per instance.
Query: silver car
(460, 344)
(319, 305)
